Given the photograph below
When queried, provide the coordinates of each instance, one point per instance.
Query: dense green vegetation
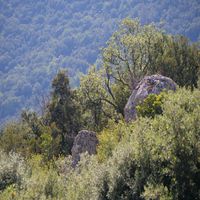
(155, 157)
(37, 38)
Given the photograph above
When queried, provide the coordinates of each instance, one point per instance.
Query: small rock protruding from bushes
(85, 141)
(148, 85)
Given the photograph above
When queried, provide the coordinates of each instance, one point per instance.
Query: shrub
(109, 138)
(13, 138)
(154, 192)
(150, 106)
(151, 158)
(12, 169)
(164, 150)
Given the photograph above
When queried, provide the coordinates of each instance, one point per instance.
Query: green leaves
(165, 150)
(150, 106)
(92, 96)
(62, 110)
(135, 51)
(151, 158)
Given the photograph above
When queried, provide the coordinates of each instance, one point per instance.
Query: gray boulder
(85, 141)
(148, 85)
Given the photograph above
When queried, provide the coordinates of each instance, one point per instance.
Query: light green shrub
(152, 158)
(166, 151)
(150, 106)
(155, 192)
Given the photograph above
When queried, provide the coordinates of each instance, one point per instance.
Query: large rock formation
(149, 85)
(85, 141)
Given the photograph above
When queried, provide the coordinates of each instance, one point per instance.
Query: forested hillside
(39, 37)
(129, 131)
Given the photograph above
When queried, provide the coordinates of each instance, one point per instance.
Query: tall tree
(99, 101)
(62, 110)
(135, 51)
(131, 53)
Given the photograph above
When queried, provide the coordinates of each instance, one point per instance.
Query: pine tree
(63, 111)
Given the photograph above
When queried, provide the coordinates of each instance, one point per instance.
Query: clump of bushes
(12, 169)
(164, 152)
(151, 158)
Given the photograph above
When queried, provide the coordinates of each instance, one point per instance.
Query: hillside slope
(39, 37)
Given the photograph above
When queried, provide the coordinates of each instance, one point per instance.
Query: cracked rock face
(85, 141)
(148, 85)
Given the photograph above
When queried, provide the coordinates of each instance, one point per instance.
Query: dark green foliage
(180, 61)
(135, 51)
(155, 157)
(37, 37)
(131, 53)
(60, 106)
(50, 134)
(63, 111)
(162, 151)
(151, 158)
(12, 169)
(31, 136)
(13, 138)
(8, 178)
(40, 138)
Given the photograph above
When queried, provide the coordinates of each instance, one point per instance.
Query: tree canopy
(40, 37)
(154, 156)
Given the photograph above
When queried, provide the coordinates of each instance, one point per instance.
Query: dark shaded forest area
(37, 38)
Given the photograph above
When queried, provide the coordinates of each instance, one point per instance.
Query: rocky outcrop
(85, 141)
(149, 85)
